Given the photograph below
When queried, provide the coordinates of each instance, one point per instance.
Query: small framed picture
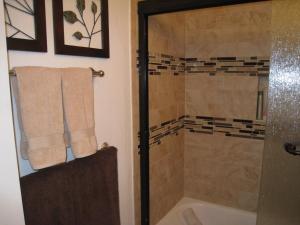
(25, 24)
(81, 27)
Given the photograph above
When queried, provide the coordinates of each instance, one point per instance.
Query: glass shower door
(279, 202)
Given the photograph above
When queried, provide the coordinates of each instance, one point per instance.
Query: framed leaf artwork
(81, 27)
(25, 25)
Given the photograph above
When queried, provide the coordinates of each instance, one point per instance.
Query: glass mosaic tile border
(239, 128)
(244, 66)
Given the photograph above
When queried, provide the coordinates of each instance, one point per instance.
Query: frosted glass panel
(279, 202)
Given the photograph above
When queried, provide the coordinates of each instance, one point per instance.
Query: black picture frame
(59, 39)
(39, 44)
(146, 9)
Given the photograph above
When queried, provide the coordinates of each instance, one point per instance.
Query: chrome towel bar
(99, 73)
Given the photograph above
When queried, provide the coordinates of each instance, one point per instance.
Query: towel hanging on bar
(75, 93)
(78, 104)
(38, 95)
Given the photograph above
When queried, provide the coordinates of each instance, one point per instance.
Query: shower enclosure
(211, 147)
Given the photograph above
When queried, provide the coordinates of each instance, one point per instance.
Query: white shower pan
(207, 214)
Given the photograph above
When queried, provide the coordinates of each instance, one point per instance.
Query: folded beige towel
(39, 101)
(78, 103)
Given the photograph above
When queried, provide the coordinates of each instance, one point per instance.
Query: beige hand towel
(23, 141)
(78, 102)
(39, 102)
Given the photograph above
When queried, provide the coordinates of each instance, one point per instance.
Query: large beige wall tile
(220, 169)
(221, 96)
(166, 102)
(166, 98)
(240, 30)
(223, 170)
(166, 34)
(166, 175)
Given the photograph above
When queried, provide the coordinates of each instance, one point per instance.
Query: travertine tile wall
(212, 167)
(221, 167)
(237, 30)
(223, 170)
(221, 96)
(166, 104)
(166, 108)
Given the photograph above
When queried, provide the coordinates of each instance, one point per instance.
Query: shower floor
(208, 214)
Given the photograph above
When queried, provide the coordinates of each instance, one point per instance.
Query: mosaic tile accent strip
(253, 129)
(171, 127)
(245, 66)
(240, 128)
(159, 63)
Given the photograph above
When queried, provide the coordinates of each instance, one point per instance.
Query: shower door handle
(293, 149)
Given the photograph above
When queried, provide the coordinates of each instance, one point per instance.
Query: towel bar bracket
(104, 145)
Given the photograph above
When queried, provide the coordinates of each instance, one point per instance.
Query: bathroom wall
(112, 93)
(236, 30)
(11, 210)
(218, 63)
(166, 103)
(227, 54)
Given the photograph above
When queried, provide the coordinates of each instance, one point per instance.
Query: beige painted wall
(112, 93)
(11, 210)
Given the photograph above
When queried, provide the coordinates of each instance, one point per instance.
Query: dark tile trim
(245, 66)
(239, 128)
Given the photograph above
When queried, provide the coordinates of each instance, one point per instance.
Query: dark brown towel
(81, 192)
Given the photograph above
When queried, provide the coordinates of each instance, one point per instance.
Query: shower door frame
(146, 9)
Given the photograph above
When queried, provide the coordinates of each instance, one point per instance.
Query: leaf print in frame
(81, 27)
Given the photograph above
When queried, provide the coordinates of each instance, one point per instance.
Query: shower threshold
(189, 211)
